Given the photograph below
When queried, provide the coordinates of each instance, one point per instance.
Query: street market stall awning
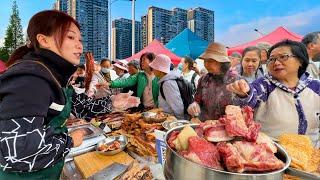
(157, 48)
(187, 43)
(275, 36)
(3, 66)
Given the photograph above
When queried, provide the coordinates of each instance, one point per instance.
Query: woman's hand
(240, 87)
(77, 137)
(102, 85)
(194, 109)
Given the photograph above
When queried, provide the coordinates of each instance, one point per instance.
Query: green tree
(4, 55)
(14, 34)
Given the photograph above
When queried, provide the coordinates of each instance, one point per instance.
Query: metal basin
(123, 143)
(90, 131)
(177, 167)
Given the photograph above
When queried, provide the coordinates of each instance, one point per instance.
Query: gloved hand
(194, 109)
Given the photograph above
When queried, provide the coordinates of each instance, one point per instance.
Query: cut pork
(214, 131)
(202, 152)
(243, 156)
(239, 122)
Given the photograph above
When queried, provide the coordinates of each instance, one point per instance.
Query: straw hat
(161, 63)
(215, 51)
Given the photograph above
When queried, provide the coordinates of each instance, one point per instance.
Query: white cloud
(1, 42)
(24, 31)
(300, 23)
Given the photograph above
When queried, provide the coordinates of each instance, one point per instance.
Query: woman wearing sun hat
(212, 97)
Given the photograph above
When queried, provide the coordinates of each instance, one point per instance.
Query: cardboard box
(160, 146)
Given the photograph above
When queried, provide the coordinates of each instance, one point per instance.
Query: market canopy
(157, 48)
(3, 66)
(275, 36)
(187, 43)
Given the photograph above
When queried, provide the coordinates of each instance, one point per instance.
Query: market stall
(145, 144)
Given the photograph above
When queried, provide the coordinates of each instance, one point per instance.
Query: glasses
(281, 58)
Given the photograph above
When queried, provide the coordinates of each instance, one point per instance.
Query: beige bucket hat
(215, 51)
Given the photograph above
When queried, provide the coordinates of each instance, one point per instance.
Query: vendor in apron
(35, 100)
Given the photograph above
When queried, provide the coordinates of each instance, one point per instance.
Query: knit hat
(134, 63)
(161, 63)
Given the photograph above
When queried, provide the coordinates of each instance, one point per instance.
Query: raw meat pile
(233, 143)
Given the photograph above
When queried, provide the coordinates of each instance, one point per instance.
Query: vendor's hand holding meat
(77, 137)
(240, 87)
(194, 109)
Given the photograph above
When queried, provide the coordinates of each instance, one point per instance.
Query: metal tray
(172, 124)
(150, 117)
(123, 143)
(92, 131)
(302, 174)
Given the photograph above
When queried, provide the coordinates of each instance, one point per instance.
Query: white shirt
(147, 93)
(188, 77)
(313, 69)
(113, 75)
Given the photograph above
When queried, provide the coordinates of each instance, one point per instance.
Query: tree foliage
(14, 35)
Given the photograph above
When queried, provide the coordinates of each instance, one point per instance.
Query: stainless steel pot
(177, 167)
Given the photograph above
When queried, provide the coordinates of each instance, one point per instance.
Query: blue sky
(235, 20)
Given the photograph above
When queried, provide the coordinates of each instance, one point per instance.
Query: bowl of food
(152, 117)
(112, 145)
(172, 124)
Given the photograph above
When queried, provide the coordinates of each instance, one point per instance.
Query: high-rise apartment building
(92, 16)
(122, 38)
(201, 22)
(164, 24)
(144, 30)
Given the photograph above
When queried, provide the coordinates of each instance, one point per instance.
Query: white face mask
(105, 70)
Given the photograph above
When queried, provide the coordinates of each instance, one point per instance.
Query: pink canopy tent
(275, 36)
(157, 48)
(2, 66)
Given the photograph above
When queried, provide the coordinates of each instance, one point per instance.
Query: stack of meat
(113, 120)
(140, 134)
(233, 143)
(75, 122)
(138, 172)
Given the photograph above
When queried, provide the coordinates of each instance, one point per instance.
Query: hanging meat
(89, 69)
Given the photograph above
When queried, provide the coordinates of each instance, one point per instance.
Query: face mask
(180, 66)
(105, 70)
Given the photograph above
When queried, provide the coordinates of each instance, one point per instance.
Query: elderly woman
(133, 68)
(264, 47)
(147, 83)
(286, 100)
(212, 97)
(250, 62)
